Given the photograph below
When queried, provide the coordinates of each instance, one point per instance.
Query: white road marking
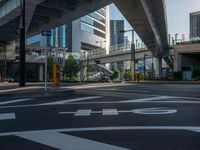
(111, 128)
(114, 112)
(148, 99)
(15, 101)
(83, 112)
(193, 100)
(121, 90)
(108, 112)
(66, 142)
(7, 116)
(71, 100)
(154, 111)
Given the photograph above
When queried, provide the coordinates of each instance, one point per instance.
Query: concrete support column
(41, 72)
(177, 62)
(157, 66)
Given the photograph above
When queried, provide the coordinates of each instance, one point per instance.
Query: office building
(116, 36)
(195, 25)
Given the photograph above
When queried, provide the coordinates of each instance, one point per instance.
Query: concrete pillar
(41, 72)
(157, 66)
(177, 62)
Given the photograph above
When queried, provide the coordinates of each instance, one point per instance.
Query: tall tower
(195, 25)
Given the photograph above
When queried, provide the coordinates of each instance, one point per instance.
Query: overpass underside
(148, 18)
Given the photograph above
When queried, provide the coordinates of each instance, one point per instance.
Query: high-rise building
(84, 34)
(195, 25)
(116, 36)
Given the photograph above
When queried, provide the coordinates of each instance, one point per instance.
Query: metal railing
(113, 50)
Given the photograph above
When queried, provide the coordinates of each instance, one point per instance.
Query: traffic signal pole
(22, 47)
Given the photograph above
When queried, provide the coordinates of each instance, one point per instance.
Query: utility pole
(132, 53)
(144, 66)
(133, 57)
(22, 61)
(87, 66)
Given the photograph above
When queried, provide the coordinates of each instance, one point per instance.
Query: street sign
(46, 33)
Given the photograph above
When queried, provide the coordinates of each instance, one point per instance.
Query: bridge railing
(113, 50)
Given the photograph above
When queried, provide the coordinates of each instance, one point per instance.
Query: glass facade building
(195, 25)
(93, 24)
(116, 37)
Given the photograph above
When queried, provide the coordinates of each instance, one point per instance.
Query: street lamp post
(87, 66)
(22, 62)
(144, 66)
(132, 53)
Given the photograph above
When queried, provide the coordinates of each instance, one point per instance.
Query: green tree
(50, 62)
(128, 75)
(116, 74)
(71, 68)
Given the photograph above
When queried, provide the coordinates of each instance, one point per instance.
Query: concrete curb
(165, 82)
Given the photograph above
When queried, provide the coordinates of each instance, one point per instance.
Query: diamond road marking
(107, 112)
(7, 116)
(115, 112)
(83, 112)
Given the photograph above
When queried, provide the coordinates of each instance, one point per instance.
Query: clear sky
(177, 13)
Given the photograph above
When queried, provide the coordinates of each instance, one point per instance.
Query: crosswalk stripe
(66, 142)
(7, 116)
(148, 99)
(72, 100)
(15, 101)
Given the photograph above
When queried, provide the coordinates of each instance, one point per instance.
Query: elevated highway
(147, 17)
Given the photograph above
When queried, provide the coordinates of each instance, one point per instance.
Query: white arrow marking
(7, 116)
(66, 142)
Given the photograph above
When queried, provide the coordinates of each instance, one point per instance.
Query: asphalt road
(98, 117)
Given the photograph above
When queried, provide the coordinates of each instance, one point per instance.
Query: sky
(177, 16)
